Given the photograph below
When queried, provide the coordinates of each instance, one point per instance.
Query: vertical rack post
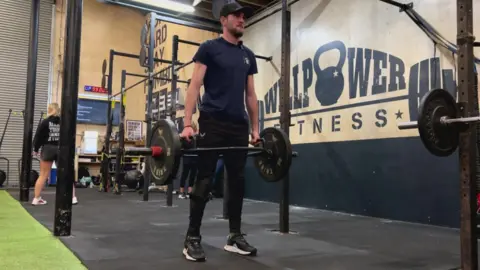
(467, 147)
(68, 121)
(119, 173)
(148, 120)
(285, 112)
(173, 108)
(30, 102)
(108, 133)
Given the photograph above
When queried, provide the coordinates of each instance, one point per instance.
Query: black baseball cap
(235, 7)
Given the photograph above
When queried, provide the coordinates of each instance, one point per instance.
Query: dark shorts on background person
(49, 153)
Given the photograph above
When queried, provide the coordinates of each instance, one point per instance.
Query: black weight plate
(440, 140)
(276, 165)
(143, 56)
(33, 177)
(104, 66)
(143, 35)
(103, 81)
(165, 167)
(3, 177)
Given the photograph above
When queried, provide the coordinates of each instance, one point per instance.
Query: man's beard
(235, 33)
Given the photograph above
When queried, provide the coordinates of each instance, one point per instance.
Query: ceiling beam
(204, 13)
(257, 3)
(204, 9)
(205, 4)
(195, 20)
(252, 3)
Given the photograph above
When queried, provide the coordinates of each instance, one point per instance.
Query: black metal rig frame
(285, 116)
(63, 199)
(30, 102)
(68, 123)
(468, 104)
(105, 172)
(119, 169)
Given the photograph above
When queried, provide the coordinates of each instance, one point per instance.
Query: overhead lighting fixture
(196, 2)
(168, 4)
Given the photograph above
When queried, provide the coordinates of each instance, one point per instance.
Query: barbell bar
(153, 151)
(145, 151)
(438, 123)
(156, 151)
(408, 125)
(443, 120)
(272, 158)
(466, 120)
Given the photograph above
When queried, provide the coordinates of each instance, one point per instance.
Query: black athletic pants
(189, 170)
(216, 133)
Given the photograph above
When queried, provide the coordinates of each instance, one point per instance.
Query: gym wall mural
(349, 83)
(363, 96)
(358, 69)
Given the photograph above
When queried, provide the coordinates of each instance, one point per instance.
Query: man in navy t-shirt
(225, 67)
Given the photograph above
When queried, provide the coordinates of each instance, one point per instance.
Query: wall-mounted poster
(134, 130)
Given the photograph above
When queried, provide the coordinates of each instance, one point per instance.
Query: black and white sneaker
(193, 250)
(236, 243)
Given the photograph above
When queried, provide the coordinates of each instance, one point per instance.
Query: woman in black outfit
(189, 170)
(47, 137)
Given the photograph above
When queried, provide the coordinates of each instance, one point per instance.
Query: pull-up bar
(145, 77)
(269, 58)
(188, 42)
(158, 78)
(183, 65)
(129, 55)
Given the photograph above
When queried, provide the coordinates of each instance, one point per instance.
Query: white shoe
(74, 201)
(38, 201)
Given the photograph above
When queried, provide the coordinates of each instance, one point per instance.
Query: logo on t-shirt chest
(246, 60)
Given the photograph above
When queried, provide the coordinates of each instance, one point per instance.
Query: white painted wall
(358, 24)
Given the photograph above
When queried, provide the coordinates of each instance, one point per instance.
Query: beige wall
(373, 37)
(104, 27)
(108, 27)
(163, 49)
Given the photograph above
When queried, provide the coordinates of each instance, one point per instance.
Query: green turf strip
(27, 244)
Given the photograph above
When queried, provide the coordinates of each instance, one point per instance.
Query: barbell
(272, 157)
(439, 124)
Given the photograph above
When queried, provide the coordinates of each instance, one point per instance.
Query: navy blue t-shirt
(225, 81)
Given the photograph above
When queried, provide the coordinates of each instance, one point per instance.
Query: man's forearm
(252, 107)
(190, 102)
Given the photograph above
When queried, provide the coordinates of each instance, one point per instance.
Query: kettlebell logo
(247, 62)
(330, 81)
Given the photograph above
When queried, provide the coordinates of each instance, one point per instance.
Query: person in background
(47, 137)
(189, 170)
